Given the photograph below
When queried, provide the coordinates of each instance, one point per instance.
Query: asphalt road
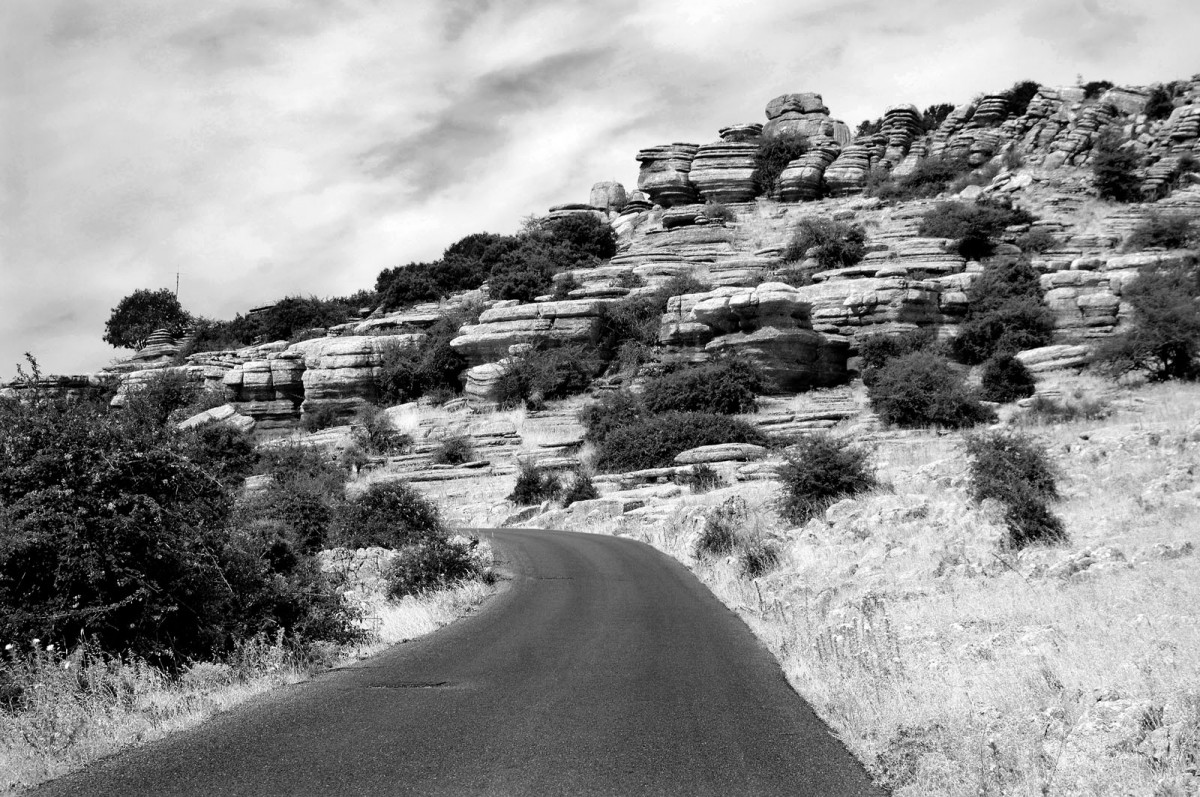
(603, 668)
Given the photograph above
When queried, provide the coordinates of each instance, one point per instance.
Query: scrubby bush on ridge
(818, 471)
(654, 441)
(834, 244)
(725, 386)
(923, 389)
(973, 225)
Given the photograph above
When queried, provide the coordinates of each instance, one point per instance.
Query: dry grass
(953, 667)
(76, 709)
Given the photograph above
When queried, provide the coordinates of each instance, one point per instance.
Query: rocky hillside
(801, 337)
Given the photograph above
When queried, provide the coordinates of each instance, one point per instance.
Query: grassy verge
(76, 709)
(950, 666)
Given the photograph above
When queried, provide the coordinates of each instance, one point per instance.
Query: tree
(141, 313)
(1165, 338)
(1114, 167)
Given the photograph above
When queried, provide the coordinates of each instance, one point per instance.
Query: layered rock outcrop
(724, 171)
(501, 328)
(768, 325)
(664, 174)
(803, 114)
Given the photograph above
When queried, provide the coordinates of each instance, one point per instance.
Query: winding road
(603, 668)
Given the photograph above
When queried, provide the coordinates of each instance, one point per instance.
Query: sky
(268, 148)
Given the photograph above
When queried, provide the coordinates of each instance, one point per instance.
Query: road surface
(602, 668)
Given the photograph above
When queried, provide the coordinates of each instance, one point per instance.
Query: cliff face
(801, 337)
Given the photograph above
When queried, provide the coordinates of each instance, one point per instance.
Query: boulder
(608, 196)
(803, 114)
(723, 452)
(1054, 358)
(664, 174)
(226, 414)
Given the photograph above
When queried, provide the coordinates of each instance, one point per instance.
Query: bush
(876, 351)
(546, 371)
(1016, 471)
(757, 556)
(923, 389)
(973, 225)
(1158, 104)
(432, 564)
(534, 485)
(834, 244)
(1094, 88)
(140, 314)
(1005, 379)
(654, 441)
(1019, 96)
(453, 450)
(718, 536)
(580, 488)
(223, 450)
(322, 416)
(1047, 410)
(934, 115)
(583, 233)
(119, 532)
(725, 386)
(389, 515)
(167, 395)
(931, 177)
(1006, 314)
(377, 434)
(1038, 240)
(1165, 338)
(1114, 168)
(717, 211)
(701, 478)
(615, 408)
(819, 471)
(773, 155)
(406, 374)
(1166, 230)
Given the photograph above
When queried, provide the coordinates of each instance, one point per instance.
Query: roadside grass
(73, 709)
(951, 666)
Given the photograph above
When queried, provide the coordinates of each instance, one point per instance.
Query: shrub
(584, 233)
(634, 319)
(614, 408)
(223, 450)
(654, 441)
(432, 564)
(934, 115)
(534, 485)
(322, 416)
(1015, 470)
(773, 155)
(377, 434)
(973, 225)
(701, 478)
(546, 371)
(1165, 337)
(1038, 239)
(718, 536)
(1158, 104)
(1114, 167)
(1005, 315)
(390, 515)
(923, 389)
(725, 386)
(291, 316)
(406, 374)
(834, 244)
(818, 471)
(580, 488)
(757, 555)
(875, 351)
(1047, 410)
(717, 211)
(1005, 379)
(1094, 88)
(141, 313)
(453, 450)
(166, 395)
(930, 177)
(1167, 230)
(1019, 96)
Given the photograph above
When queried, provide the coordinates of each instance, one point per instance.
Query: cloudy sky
(264, 148)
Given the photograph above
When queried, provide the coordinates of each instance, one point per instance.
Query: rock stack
(664, 174)
(804, 114)
(848, 174)
(990, 111)
(608, 196)
(804, 178)
(724, 171)
(902, 126)
(751, 131)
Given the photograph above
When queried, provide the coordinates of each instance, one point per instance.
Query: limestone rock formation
(803, 114)
(848, 174)
(664, 174)
(724, 171)
(768, 325)
(804, 178)
(500, 328)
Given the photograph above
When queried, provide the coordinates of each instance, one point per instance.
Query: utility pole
(176, 284)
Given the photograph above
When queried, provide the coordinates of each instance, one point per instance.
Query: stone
(723, 452)
(724, 171)
(664, 171)
(608, 196)
(804, 178)
(803, 114)
(226, 414)
(500, 328)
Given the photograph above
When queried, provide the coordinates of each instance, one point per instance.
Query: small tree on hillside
(1114, 167)
(141, 313)
(1165, 338)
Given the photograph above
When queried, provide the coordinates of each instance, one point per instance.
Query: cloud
(262, 148)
